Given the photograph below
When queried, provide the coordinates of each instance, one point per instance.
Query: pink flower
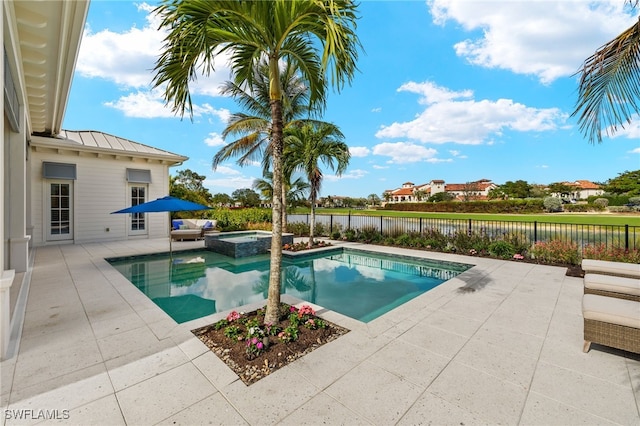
(233, 316)
(306, 310)
(518, 256)
(259, 345)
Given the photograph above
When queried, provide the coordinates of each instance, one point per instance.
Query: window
(138, 197)
(138, 176)
(58, 171)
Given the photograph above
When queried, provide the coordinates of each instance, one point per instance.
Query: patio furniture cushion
(613, 284)
(611, 268)
(611, 310)
(175, 224)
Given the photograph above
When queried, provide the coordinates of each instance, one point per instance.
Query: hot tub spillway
(242, 243)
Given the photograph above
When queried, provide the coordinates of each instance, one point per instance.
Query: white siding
(100, 188)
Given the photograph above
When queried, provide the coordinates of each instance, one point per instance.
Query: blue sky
(453, 90)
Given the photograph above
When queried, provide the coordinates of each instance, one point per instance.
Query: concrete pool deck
(499, 344)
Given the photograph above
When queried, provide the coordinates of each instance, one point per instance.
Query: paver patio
(499, 344)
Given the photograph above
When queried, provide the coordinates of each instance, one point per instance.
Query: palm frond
(609, 89)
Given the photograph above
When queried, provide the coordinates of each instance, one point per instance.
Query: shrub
(320, 230)
(299, 229)
(556, 251)
(552, 204)
(369, 234)
(518, 240)
(602, 202)
(238, 219)
(403, 240)
(259, 226)
(501, 249)
(335, 235)
(434, 239)
(614, 254)
(350, 235)
(634, 201)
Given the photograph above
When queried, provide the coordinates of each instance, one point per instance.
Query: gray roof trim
(99, 142)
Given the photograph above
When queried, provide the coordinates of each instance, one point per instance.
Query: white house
(58, 186)
(78, 178)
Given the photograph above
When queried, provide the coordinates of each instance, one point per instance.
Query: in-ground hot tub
(242, 243)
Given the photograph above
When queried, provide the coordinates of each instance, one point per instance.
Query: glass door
(60, 202)
(138, 224)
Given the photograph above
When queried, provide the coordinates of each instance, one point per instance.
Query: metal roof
(94, 141)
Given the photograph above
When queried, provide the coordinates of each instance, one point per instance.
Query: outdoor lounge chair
(612, 322)
(612, 286)
(611, 305)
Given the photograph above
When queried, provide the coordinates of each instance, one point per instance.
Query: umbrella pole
(170, 248)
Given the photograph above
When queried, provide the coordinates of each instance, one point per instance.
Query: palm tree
(253, 127)
(308, 145)
(294, 191)
(316, 37)
(609, 90)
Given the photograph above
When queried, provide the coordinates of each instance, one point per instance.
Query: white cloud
(546, 39)
(127, 59)
(432, 93)
(214, 139)
(378, 109)
(226, 170)
(229, 179)
(635, 151)
(447, 118)
(149, 104)
(630, 130)
(223, 114)
(229, 184)
(378, 167)
(351, 174)
(405, 152)
(457, 154)
(359, 151)
(141, 105)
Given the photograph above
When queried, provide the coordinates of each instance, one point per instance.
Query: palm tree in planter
(252, 128)
(308, 146)
(315, 36)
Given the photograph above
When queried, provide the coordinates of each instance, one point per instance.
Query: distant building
(410, 193)
(580, 190)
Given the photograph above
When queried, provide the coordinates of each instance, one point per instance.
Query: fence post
(331, 224)
(535, 231)
(381, 225)
(349, 221)
(469, 228)
(307, 218)
(420, 226)
(626, 238)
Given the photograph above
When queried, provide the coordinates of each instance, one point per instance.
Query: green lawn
(573, 218)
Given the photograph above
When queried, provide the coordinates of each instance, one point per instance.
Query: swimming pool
(359, 284)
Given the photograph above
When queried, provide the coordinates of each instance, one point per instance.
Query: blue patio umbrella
(165, 204)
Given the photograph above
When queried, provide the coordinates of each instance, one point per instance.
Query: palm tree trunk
(272, 314)
(284, 210)
(312, 219)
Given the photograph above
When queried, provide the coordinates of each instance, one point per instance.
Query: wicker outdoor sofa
(611, 305)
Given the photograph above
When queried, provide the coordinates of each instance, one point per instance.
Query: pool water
(358, 284)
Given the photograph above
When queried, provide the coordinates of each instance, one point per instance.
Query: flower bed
(254, 350)
(304, 245)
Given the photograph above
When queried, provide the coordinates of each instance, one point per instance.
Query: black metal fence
(611, 236)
